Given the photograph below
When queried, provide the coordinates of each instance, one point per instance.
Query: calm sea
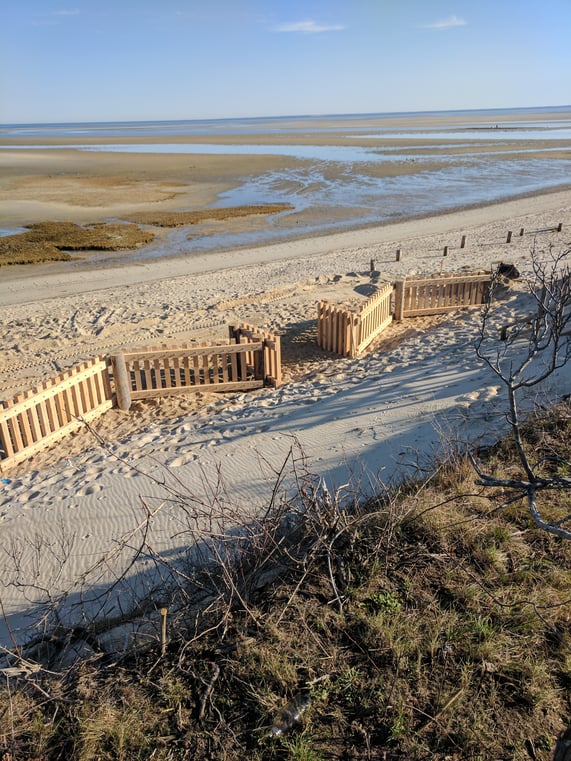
(441, 161)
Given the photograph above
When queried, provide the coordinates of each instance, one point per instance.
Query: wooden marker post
(521, 232)
(445, 251)
(509, 238)
(463, 242)
(398, 255)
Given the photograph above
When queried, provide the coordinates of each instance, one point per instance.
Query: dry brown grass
(426, 623)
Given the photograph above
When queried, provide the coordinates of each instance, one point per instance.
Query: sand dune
(352, 422)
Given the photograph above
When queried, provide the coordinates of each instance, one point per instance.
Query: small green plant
(399, 727)
(383, 602)
(299, 749)
(349, 684)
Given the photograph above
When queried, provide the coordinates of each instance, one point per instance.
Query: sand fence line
(347, 332)
(39, 418)
(445, 250)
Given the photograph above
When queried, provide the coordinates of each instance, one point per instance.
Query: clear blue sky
(115, 60)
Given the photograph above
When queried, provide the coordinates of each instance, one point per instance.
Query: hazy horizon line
(287, 116)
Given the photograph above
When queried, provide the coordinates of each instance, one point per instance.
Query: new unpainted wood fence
(345, 332)
(418, 297)
(348, 332)
(41, 417)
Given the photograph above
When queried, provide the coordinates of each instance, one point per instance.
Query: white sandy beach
(353, 421)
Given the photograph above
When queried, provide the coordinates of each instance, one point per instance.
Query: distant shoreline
(390, 115)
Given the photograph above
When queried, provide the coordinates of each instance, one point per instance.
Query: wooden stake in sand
(398, 255)
(509, 238)
(463, 242)
(122, 382)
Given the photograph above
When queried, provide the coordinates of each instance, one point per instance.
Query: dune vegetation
(430, 622)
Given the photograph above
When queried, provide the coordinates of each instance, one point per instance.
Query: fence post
(509, 238)
(399, 300)
(398, 255)
(463, 242)
(122, 382)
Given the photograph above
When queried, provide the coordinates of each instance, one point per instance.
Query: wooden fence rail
(35, 420)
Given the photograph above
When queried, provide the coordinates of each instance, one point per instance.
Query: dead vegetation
(52, 241)
(431, 622)
(182, 218)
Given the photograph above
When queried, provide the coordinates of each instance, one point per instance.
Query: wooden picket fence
(250, 360)
(348, 333)
(39, 418)
(269, 364)
(416, 297)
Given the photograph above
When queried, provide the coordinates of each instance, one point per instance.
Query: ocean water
(441, 161)
(544, 117)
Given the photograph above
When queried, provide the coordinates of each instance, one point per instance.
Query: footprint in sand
(87, 490)
(124, 471)
(29, 497)
(182, 460)
(150, 438)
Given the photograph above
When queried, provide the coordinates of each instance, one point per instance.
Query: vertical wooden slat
(33, 420)
(5, 435)
(135, 368)
(24, 424)
(186, 371)
(195, 371)
(65, 402)
(51, 409)
(90, 392)
(205, 370)
(82, 394)
(176, 379)
(14, 426)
